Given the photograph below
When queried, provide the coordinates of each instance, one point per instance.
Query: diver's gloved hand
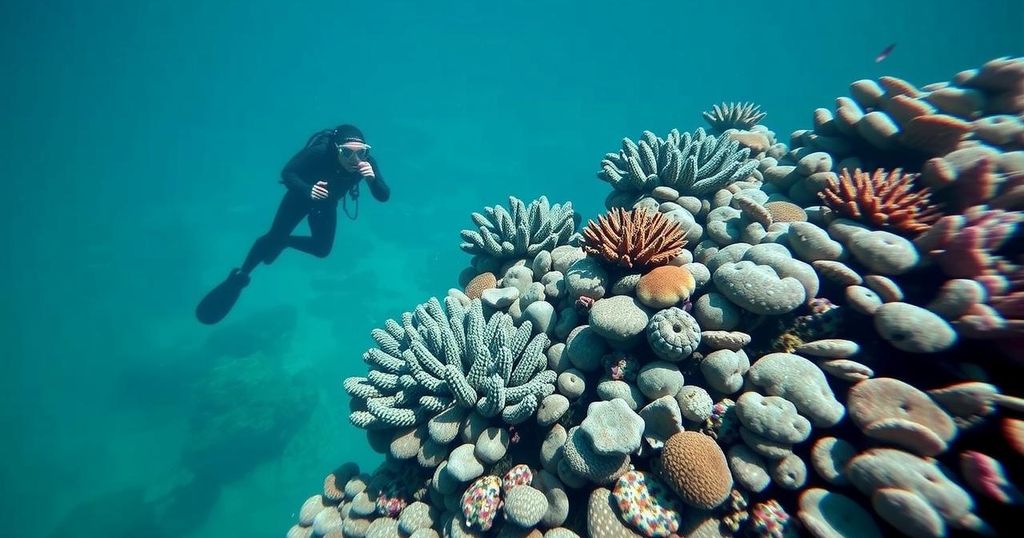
(319, 191)
(366, 170)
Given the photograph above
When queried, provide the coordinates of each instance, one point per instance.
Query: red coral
(634, 238)
(885, 200)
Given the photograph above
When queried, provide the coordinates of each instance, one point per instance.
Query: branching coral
(694, 164)
(885, 200)
(523, 231)
(734, 116)
(435, 363)
(633, 238)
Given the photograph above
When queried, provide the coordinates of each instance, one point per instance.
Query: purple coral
(723, 424)
(620, 366)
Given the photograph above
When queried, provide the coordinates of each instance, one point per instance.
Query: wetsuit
(318, 162)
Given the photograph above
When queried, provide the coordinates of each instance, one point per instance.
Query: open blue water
(140, 151)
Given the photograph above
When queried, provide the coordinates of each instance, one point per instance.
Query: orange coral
(475, 288)
(885, 200)
(633, 238)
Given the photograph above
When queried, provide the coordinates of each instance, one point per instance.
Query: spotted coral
(888, 201)
(633, 238)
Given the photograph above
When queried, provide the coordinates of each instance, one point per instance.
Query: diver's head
(352, 148)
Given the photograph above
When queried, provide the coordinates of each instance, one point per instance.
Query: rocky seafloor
(822, 336)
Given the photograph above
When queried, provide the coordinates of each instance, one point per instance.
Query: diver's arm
(378, 187)
(299, 167)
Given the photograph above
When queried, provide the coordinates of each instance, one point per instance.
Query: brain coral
(695, 467)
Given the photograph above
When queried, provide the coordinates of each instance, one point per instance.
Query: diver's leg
(290, 212)
(323, 222)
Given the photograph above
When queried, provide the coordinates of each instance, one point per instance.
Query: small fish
(885, 53)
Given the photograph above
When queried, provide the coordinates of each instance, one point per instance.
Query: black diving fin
(221, 299)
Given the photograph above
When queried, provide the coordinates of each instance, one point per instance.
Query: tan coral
(1013, 431)
(935, 134)
(885, 200)
(633, 238)
(695, 467)
(786, 212)
(479, 283)
(891, 410)
(665, 286)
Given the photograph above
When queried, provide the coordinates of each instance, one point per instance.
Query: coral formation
(633, 239)
(733, 116)
(885, 200)
(757, 339)
(525, 230)
(694, 164)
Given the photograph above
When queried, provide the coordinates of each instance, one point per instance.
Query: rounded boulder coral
(665, 286)
(694, 466)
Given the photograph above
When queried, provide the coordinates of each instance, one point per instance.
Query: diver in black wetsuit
(326, 171)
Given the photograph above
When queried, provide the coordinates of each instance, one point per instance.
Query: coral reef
(758, 339)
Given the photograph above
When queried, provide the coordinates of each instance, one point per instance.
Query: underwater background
(141, 149)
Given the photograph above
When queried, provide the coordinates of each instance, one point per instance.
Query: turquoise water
(141, 148)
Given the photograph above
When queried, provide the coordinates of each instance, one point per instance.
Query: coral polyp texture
(633, 238)
(445, 363)
(820, 338)
(694, 164)
(733, 116)
(887, 200)
(522, 231)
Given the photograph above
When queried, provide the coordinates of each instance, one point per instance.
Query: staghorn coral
(437, 362)
(694, 164)
(885, 200)
(633, 238)
(733, 116)
(523, 231)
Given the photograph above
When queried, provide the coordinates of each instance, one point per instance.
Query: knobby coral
(436, 363)
(885, 200)
(734, 116)
(693, 164)
(523, 231)
(633, 238)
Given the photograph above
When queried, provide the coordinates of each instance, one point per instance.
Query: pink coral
(986, 476)
(964, 245)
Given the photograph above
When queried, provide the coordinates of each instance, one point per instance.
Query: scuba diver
(327, 170)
